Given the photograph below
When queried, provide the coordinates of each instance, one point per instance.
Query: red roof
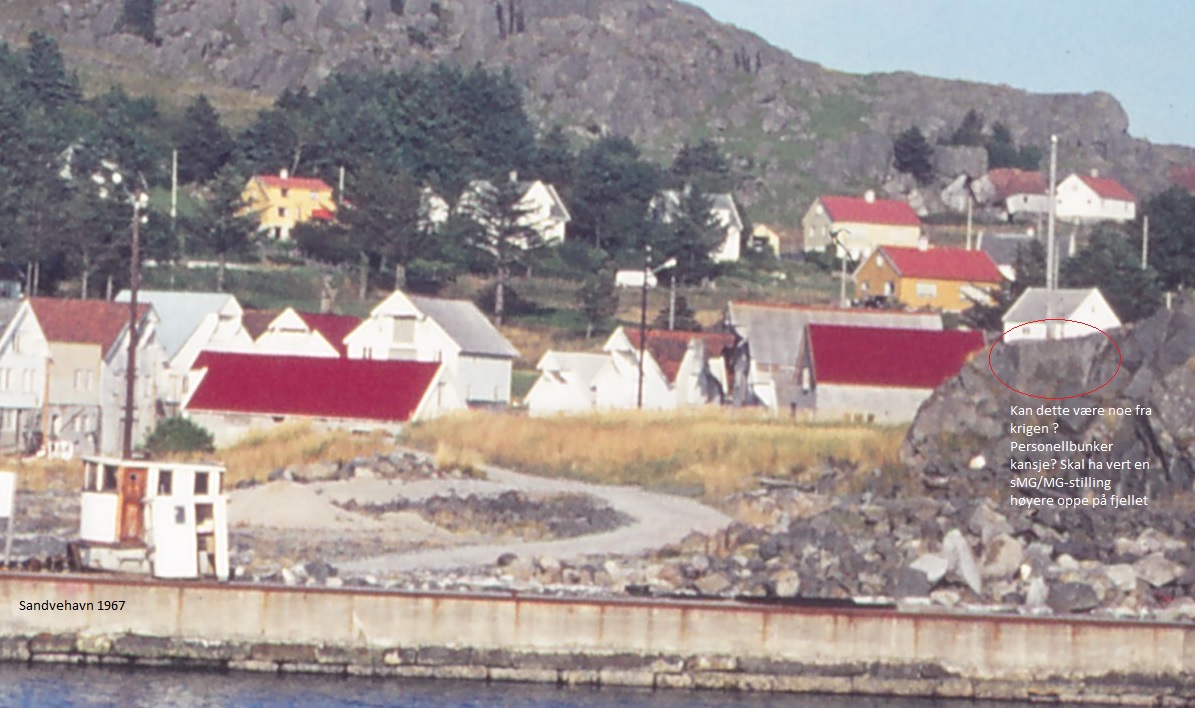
(1010, 180)
(877, 211)
(668, 347)
(1108, 188)
(1183, 177)
(83, 321)
(334, 328)
(359, 389)
(875, 356)
(313, 184)
(322, 214)
(943, 264)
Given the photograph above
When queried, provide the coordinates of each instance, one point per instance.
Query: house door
(132, 502)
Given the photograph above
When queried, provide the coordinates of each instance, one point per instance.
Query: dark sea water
(56, 685)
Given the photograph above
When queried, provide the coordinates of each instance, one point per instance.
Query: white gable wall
(289, 335)
(1077, 201)
(24, 353)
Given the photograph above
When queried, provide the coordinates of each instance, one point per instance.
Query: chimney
(514, 176)
(869, 196)
(923, 243)
(283, 173)
(1095, 172)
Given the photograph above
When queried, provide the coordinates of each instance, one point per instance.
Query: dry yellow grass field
(711, 452)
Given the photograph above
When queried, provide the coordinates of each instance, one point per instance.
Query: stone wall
(631, 643)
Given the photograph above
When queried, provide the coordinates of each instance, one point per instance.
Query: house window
(83, 379)
(165, 483)
(806, 379)
(404, 330)
(926, 289)
(109, 479)
(282, 212)
(889, 288)
(285, 192)
(180, 515)
(16, 343)
(201, 479)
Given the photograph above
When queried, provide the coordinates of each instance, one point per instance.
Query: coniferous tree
(598, 298)
(204, 145)
(47, 79)
(914, 155)
(139, 17)
(1110, 264)
(704, 165)
(221, 226)
(690, 234)
(505, 232)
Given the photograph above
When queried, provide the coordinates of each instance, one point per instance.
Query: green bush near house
(176, 434)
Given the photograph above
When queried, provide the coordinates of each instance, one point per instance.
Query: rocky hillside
(961, 440)
(658, 70)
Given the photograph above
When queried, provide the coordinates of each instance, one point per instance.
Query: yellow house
(950, 279)
(281, 201)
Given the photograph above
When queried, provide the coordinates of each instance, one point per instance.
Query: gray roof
(1032, 304)
(585, 365)
(467, 326)
(179, 313)
(1002, 248)
(774, 333)
(8, 310)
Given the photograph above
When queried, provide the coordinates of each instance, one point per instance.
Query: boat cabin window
(109, 479)
(89, 481)
(165, 483)
(180, 515)
(204, 514)
(201, 483)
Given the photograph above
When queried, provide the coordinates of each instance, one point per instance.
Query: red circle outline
(1119, 363)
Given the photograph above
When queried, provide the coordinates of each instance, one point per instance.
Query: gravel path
(659, 519)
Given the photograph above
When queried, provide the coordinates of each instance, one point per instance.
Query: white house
(190, 323)
(723, 211)
(565, 383)
(235, 394)
(24, 354)
(433, 210)
(87, 343)
(478, 361)
(294, 333)
(1083, 306)
(542, 210)
(1086, 198)
(680, 369)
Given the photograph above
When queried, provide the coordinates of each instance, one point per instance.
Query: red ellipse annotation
(1119, 362)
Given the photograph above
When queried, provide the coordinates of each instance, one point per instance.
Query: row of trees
(913, 153)
(395, 133)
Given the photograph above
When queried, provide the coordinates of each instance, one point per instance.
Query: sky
(1141, 52)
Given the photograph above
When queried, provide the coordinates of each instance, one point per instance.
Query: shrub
(179, 435)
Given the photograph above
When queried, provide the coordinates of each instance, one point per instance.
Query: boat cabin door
(132, 503)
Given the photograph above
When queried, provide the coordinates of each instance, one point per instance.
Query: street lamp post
(648, 272)
(842, 301)
(139, 200)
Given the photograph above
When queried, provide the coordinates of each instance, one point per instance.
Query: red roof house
(876, 374)
(1090, 198)
(234, 393)
(859, 224)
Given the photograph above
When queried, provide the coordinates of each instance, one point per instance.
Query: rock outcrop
(658, 70)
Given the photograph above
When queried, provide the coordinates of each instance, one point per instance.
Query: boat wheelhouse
(165, 519)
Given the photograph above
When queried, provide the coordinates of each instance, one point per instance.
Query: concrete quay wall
(656, 644)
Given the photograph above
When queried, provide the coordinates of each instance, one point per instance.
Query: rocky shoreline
(798, 540)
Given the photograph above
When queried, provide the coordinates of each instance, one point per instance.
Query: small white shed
(165, 519)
